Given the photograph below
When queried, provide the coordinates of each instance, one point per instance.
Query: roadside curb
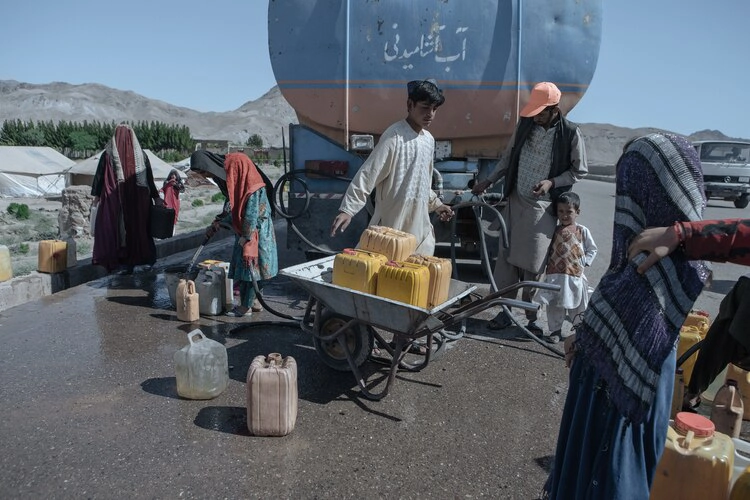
(36, 285)
(601, 178)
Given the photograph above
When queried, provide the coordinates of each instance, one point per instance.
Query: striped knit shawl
(633, 321)
(126, 154)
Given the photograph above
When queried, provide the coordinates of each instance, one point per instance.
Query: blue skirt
(599, 453)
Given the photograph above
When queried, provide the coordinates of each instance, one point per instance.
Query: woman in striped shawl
(616, 414)
(123, 191)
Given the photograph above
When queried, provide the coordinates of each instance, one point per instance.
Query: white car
(726, 170)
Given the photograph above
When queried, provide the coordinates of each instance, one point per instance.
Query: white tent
(183, 165)
(32, 171)
(82, 174)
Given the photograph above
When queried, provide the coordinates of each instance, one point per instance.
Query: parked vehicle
(343, 66)
(726, 170)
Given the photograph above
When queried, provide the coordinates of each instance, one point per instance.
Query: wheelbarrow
(346, 323)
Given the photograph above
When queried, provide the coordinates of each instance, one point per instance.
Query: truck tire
(742, 201)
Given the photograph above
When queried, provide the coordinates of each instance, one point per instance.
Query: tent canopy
(183, 165)
(83, 173)
(32, 171)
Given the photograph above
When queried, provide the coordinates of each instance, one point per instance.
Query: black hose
(294, 323)
(693, 348)
(196, 254)
(454, 336)
(295, 319)
(253, 324)
(281, 209)
(484, 256)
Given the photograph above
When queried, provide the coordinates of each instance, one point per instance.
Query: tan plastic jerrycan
(689, 336)
(697, 461)
(186, 299)
(271, 395)
(700, 320)
(727, 410)
(741, 487)
(742, 377)
(678, 393)
(741, 462)
(52, 257)
(6, 270)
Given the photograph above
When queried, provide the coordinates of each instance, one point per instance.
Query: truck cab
(726, 170)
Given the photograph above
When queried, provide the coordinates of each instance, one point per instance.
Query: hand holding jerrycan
(201, 367)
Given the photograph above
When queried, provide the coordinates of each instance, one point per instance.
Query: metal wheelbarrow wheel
(358, 340)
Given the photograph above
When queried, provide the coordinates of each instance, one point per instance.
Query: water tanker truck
(343, 66)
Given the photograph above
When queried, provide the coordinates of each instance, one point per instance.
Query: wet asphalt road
(90, 410)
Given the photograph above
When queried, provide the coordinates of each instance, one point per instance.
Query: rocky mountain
(266, 116)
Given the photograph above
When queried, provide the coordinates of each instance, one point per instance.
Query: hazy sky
(681, 65)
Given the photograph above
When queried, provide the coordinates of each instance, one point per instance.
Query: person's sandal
(533, 327)
(691, 402)
(554, 337)
(236, 313)
(256, 307)
(500, 322)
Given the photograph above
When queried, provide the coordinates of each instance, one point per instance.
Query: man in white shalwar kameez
(399, 169)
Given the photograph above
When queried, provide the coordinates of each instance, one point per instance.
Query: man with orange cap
(544, 158)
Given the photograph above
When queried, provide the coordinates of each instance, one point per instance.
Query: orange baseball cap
(542, 95)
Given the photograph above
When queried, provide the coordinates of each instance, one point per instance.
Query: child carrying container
(571, 250)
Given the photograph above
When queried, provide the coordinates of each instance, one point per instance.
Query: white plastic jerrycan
(201, 367)
(210, 288)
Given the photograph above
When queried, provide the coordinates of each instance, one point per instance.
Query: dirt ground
(21, 236)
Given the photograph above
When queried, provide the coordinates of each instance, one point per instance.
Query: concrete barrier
(602, 173)
(36, 285)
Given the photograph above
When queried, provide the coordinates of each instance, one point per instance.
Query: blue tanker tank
(343, 66)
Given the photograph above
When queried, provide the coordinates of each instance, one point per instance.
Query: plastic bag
(92, 219)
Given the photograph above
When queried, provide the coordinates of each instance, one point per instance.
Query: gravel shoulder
(22, 236)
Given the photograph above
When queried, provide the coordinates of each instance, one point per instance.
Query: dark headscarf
(206, 162)
(177, 180)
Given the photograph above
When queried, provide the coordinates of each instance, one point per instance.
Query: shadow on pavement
(320, 384)
(227, 419)
(162, 386)
(513, 337)
(545, 462)
(721, 286)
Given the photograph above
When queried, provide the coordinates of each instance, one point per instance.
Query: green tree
(82, 141)
(32, 136)
(73, 138)
(10, 133)
(254, 141)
